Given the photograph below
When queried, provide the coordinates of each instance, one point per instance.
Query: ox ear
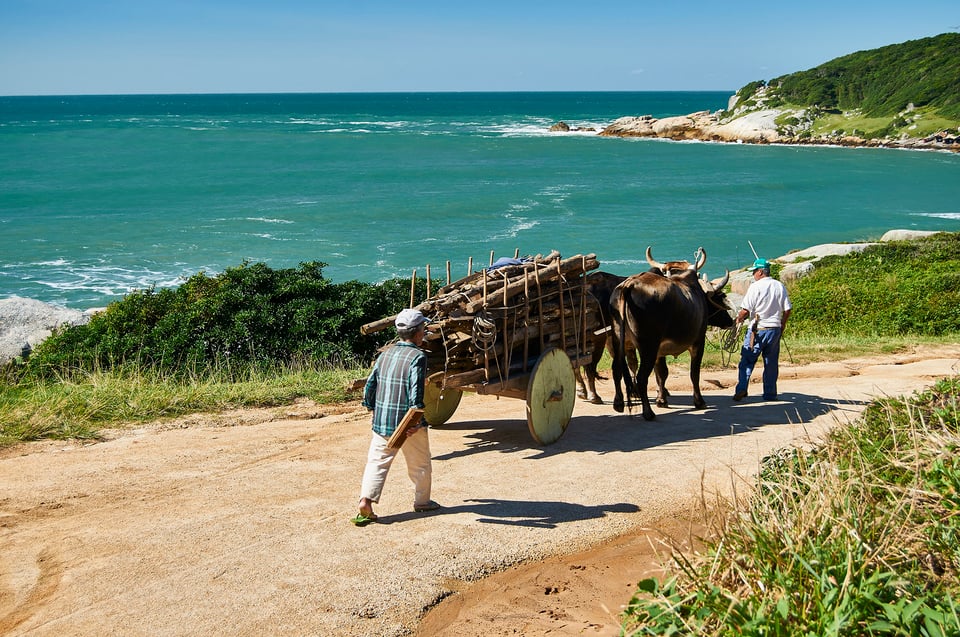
(701, 258)
(654, 264)
(718, 284)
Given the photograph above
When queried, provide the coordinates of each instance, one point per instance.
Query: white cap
(409, 319)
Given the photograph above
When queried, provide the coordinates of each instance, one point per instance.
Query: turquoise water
(99, 195)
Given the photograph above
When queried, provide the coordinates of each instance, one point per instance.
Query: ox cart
(518, 329)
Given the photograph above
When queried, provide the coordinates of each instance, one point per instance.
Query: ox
(664, 314)
(600, 286)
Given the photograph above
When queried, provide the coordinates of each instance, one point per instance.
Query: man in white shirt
(767, 302)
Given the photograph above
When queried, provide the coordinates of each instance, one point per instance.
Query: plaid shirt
(395, 385)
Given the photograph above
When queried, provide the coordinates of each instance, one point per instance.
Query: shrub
(248, 315)
(856, 537)
(893, 288)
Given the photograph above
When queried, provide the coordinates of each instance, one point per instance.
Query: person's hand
(413, 430)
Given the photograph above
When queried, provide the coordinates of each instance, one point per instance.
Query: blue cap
(759, 264)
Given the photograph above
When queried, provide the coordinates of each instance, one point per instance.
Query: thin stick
(563, 327)
(413, 285)
(755, 255)
(526, 322)
(469, 266)
(448, 273)
(536, 275)
(491, 257)
(428, 280)
(516, 253)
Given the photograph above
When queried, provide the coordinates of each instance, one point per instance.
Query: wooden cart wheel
(439, 404)
(551, 393)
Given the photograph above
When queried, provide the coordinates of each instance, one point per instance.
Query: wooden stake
(428, 280)
(526, 322)
(469, 266)
(563, 327)
(448, 273)
(491, 257)
(413, 286)
(516, 253)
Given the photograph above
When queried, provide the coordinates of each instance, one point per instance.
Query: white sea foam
(938, 215)
(265, 235)
(517, 225)
(269, 220)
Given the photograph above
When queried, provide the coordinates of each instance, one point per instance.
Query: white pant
(416, 452)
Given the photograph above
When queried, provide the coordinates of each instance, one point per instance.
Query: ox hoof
(581, 394)
(662, 403)
(649, 416)
(596, 400)
(618, 407)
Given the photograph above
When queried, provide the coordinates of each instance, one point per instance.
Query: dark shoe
(423, 508)
(740, 395)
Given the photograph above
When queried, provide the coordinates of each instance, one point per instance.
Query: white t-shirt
(766, 298)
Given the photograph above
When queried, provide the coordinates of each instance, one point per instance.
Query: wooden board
(411, 419)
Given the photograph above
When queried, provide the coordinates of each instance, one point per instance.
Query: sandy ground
(238, 524)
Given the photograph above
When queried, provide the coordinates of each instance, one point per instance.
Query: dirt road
(238, 524)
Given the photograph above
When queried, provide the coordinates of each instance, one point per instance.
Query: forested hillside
(883, 81)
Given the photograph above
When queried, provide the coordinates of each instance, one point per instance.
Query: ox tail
(629, 386)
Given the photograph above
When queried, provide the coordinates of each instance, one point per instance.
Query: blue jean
(766, 344)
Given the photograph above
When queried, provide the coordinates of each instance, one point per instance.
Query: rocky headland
(760, 127)
(753, 119)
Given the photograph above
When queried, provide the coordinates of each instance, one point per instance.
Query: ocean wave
(938, 215)
(265, 235)
(269, 220)
(518, 225)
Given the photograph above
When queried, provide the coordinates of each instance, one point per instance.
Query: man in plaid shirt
(396, 385)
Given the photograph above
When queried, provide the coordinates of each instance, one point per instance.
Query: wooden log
(568, 266)
(469, 284)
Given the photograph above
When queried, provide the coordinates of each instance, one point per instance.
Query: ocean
(100, 195)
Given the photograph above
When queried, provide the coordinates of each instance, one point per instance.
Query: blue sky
(191, 46)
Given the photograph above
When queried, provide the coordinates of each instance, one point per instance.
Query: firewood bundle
(494, 324)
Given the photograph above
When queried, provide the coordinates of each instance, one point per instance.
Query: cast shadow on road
(530, 513)
(630, 432)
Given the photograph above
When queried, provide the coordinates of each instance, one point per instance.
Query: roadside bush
(893, 288)
(247, 315)
(856, 537)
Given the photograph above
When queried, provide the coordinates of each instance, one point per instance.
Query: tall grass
(78, 405)
(859, 536)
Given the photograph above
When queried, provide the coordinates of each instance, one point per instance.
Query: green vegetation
(77, 406)
(254, 336)
(895, 288)
(910, 89)
(858, 536)
(882, 82)
(249, 316)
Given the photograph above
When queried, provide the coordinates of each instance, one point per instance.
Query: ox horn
(718, 284)
(654, 264)
(701, 258)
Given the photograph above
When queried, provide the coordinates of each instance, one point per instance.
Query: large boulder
(817, 252)
(903, 235)
(24, 323)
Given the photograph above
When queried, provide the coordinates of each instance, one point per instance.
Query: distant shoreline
(760, 128)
